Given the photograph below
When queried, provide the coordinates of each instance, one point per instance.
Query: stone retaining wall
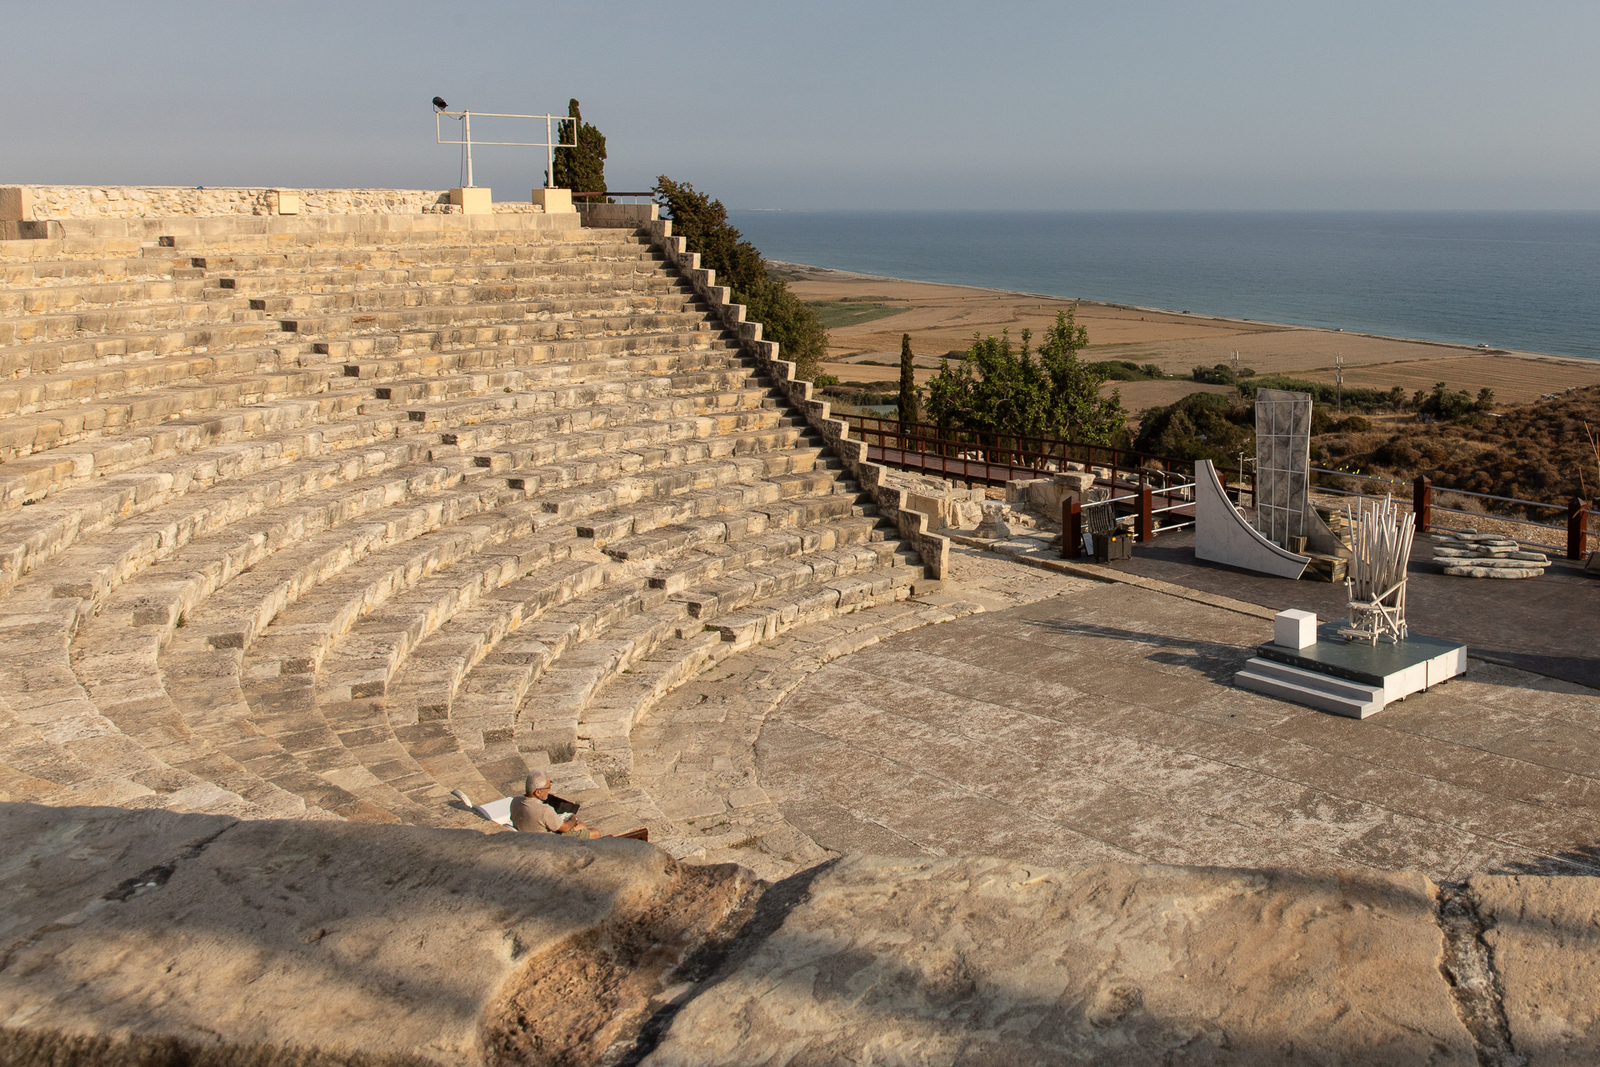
(154, 201)
(894, 500)
(27, 203)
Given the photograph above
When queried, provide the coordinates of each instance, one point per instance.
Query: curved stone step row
(545, 254)
(303, 635)
(38, 288)
(79, 248)
(151, 392)
(189, 575)
(638, 280)
(286, 462)
(428, 682)
(409, 328)
(629, 264)
(90, 324)
(44, 272)
(53, 450)
(232, 617)
(75, 296)
(624, 697)
(127, 330)
(427, 329)
(361, 237)
(74, 750)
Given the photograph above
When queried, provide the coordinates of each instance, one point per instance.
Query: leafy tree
(1485, 399)
(1397, 398)
(998, 389)
(581, 169)
(1447, 404)
(784, 317)
(1200, 426)
(908, 383)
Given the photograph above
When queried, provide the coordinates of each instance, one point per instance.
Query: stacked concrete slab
(324, 517)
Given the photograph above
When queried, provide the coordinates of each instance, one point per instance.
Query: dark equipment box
(1108, 548)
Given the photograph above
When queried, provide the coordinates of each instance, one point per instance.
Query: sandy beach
(944, 318)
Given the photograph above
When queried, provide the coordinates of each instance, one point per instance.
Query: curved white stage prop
(1221, 535)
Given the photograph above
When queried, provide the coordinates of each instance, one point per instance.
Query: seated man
(531, 814)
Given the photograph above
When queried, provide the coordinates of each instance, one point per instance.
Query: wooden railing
(999, 458)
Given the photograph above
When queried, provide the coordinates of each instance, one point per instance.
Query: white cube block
(1294, 628)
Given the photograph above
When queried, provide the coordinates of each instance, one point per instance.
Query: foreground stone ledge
(1545, 936)
(375, 943)
(159, 938)
(969, 961)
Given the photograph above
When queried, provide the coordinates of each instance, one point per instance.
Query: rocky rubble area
(160, 938)
(1469, 554)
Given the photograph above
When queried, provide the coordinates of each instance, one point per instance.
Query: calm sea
(1520, 280)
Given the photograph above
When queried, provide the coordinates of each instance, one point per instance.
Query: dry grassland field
(866, 316)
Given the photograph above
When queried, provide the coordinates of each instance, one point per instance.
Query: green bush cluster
(999, 389)
(784, 317)
(1221, 374)
(1363, 400)
(1200, 426)
(1122, 370)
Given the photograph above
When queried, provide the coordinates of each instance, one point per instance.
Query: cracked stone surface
(1103, 725)
(1544, 934)
(695, 753)
(983, 961)
(392, 940)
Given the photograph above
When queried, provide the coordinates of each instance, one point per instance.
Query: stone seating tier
(324, 523)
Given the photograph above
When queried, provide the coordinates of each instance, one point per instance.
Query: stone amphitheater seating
(327, 521)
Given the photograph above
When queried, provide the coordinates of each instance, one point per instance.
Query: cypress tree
(908, 383)
(581, 169)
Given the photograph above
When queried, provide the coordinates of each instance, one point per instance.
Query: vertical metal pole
(549, 156)
(1421, 500)
(1577, 528)
(1146, 522)
(466, 117)
(1071, 529)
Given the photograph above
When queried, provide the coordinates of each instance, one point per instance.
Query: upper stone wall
(29, 203)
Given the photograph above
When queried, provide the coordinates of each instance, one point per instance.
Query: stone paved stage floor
(1550, 625)
(1101, 723)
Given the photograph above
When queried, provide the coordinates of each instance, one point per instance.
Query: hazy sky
(1461, 104)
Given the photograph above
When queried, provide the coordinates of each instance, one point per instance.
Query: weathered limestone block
(405, 943)
(1545, 936)
(1492, 572)
(940, 961)
(994, 524)
(953, 508)
(1047, 494)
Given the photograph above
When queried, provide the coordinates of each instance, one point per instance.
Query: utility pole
(1338, 378)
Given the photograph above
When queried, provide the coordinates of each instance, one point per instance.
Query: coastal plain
(943, 319)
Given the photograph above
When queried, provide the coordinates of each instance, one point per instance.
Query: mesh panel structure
(1283, 456)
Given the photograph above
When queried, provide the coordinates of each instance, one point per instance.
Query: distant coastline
(1190, 313)
(1523, 283)
(943, 316)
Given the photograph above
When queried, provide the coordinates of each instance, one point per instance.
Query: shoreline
(1460, 346)
(872, 312)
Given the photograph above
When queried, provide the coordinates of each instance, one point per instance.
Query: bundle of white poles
(1380, 547)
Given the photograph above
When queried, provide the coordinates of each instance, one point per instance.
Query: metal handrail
(608, 193)
(1440, 489)
(549, 144)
